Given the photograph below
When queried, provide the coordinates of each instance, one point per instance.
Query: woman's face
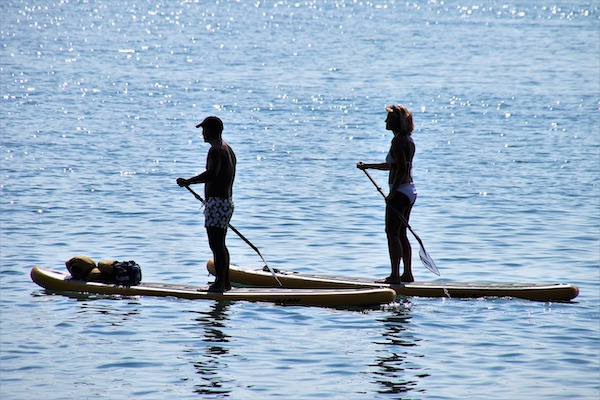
(389, 122)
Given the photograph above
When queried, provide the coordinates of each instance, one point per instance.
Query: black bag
(127, 273)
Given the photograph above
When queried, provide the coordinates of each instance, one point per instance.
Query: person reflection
(392, 373)
(212, 364)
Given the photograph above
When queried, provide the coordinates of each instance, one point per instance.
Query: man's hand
(362, 166)
(182, 182)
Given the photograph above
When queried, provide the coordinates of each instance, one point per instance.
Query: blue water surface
(99, 100)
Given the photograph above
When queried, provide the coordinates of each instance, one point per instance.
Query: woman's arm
(379, 166)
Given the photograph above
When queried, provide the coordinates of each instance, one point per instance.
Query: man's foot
(407, 278)
(390, 280)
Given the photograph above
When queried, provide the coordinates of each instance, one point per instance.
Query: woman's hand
(182, 182)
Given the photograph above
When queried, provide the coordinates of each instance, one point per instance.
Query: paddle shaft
(425, 257)
(249, 243)
(404, 221)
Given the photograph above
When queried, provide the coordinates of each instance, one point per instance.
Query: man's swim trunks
(218, 212)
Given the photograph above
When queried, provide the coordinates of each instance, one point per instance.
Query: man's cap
(212, 122)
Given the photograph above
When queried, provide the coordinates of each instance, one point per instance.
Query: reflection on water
(392, 374)
(91, 304)
(98, 106)
(213, 356)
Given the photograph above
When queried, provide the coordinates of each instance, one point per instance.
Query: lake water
(99, 100)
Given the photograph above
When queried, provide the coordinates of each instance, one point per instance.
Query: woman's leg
(392, 230)
(407, 275)
(398, 244)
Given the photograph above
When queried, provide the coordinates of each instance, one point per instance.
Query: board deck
(348, 297)
(290, 279)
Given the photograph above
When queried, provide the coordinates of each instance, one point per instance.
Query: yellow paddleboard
(362, 297)
(290, 279)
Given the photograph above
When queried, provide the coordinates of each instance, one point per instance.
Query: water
(99, 103)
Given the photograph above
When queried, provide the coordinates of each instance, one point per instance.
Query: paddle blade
(428, 261)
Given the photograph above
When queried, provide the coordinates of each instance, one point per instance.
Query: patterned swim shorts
(218, 212)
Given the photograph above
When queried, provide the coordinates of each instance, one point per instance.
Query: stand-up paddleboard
(290, 279)
(350, 297)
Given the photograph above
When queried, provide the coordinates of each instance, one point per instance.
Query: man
(218, 190)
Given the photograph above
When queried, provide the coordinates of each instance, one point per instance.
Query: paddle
(197, 196)
(425, 257)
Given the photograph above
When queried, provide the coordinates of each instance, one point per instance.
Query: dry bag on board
(80, 266)
(127, 273)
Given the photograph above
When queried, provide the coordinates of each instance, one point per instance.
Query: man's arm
(213, 166)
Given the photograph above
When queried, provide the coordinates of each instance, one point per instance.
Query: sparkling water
(99, 102)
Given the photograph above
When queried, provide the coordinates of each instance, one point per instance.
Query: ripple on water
(99, 103)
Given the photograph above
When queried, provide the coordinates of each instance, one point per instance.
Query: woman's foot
(218, 287)
(215, 287)
(390, 280)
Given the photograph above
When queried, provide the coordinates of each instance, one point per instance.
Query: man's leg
(216, 241)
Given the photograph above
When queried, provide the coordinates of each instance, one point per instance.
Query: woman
(403, 192)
